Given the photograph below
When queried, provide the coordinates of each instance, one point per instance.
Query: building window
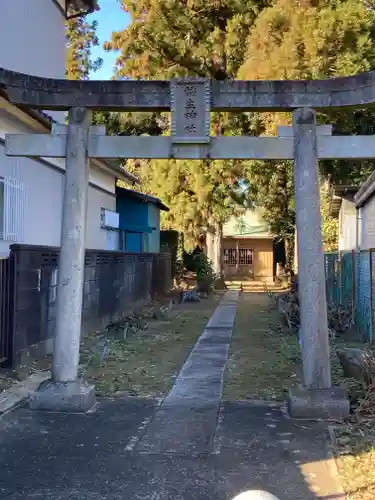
(12, 209)
(230, 256)
(246, 257)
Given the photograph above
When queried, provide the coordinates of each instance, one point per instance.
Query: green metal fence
(350, 282)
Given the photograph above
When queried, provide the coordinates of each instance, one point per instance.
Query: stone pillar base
(322, 404)
(76, 397)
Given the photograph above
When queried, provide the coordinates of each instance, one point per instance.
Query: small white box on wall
(109, 219)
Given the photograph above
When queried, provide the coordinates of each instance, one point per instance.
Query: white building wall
(153, 243)
(32, 37)
(347, 226)
(96, 237)
(32, 40)
(11, 125)
(367, 222)
(43, 188)
(44, 194)
(102, 179)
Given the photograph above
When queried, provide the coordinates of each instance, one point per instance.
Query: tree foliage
(253, 39)
(330, 224)
(173, 38)
(80, 38)
(295, 39)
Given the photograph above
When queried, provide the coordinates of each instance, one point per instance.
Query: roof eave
(162, 207)
(145, 198)
(47, 122)
(365, 191)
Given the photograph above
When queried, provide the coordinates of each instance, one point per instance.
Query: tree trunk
(210, 243)
(218, 260)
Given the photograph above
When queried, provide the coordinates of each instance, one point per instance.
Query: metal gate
(7, 302)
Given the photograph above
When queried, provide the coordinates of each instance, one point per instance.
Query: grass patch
(146, 364)
(22, 372)
(264, 358)
(354, 449)
(353, 444)
(264, 362)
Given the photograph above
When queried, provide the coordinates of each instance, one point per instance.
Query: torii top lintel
(230, 95)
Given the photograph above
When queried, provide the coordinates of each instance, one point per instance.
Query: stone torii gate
(190, 102)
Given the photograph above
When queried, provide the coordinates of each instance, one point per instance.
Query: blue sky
(110, 18)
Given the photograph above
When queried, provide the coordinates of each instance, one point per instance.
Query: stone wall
(114, 284)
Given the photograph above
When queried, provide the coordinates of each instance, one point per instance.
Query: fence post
(371, 301)
(7, 310)
(354, 284)
(341, 278)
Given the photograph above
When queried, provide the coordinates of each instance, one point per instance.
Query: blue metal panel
(133, 212)
(339, 277)
(347, 285)
(133, 242)
(348, 282)
(363, 310)
(139, 221)
(331, 264)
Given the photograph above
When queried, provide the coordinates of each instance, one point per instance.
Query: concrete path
(190, 447)
(186, 421)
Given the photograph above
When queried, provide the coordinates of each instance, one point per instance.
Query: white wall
(153, 239)
(102, 179)
(96, 237)
(32, 37)
(12, 125)
(32, 40)
(44, 188)
(367, 223)
(347, 226)
(44, 194)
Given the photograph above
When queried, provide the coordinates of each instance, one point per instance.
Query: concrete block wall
(114, 284)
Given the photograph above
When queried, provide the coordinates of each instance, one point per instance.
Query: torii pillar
(317, 398)
(65, 392)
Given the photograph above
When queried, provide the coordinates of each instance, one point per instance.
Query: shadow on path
(191, 447)
(99, 456)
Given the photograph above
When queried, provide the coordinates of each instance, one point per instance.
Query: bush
(179, 271)
(198, 263)
(204, 271)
